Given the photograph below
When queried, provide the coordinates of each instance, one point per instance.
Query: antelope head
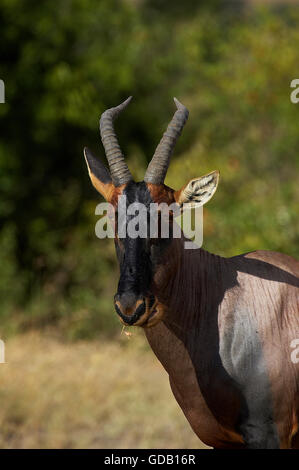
(139, 258)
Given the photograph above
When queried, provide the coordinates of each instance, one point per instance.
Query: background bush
(63, 64)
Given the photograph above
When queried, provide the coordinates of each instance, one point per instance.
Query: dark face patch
(138, 257)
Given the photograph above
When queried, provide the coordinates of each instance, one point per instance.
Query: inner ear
(99, 175)
(198, 191)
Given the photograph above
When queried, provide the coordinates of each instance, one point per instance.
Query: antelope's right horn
(119, 170)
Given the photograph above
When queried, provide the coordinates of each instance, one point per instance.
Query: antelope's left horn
(158, 166)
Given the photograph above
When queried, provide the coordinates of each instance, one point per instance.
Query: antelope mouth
(154, 316)
(150, 317)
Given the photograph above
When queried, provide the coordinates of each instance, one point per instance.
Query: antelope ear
(198, 191)
(99, 175)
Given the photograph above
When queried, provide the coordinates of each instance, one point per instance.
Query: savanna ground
(88, 394)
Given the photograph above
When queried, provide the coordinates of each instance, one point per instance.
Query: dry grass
(96, 394)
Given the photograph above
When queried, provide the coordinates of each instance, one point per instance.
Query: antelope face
(140, 254)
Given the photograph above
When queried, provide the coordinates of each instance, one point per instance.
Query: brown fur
(205, 294)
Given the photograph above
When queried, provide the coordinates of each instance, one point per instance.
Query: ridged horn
(158, 166)
(119, 170)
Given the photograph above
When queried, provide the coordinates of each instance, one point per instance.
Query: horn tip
(179, 105)
(177, 102)
(127, 101)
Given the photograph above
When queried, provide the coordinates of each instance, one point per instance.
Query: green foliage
(62, 66)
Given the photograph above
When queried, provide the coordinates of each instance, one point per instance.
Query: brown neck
(189, 283)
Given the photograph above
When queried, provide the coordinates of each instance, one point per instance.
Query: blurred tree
(62, 66)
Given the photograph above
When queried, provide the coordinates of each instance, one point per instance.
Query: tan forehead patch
(116, 193)
(160, 193)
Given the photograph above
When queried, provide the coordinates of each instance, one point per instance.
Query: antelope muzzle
(135, 310)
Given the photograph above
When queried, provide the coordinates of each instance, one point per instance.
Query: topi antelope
(221, 327)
